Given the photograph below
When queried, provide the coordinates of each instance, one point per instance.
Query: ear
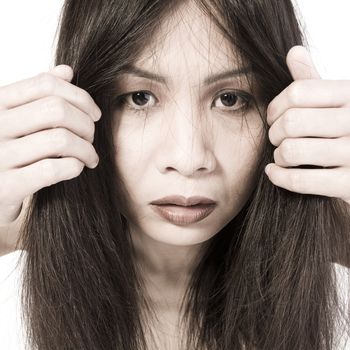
(300, 64)
(62, 71)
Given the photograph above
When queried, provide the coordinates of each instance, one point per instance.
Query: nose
(187, 144)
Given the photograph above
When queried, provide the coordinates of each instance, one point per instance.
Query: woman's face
(184, 136)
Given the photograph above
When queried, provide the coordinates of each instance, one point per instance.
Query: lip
(183, 201)
(182, 215)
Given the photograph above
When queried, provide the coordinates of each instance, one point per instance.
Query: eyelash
(121, 100)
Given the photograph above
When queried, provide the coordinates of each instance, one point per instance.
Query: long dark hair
(265, 281)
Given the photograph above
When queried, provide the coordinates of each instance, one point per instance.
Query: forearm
(9, 233)
(8, 238)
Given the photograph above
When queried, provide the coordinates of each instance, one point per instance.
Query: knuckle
(271, 135)
(78, 165)
(48, 170)
(59, 139)
(85, 94)
(287, 150)
(93, 151)
(294, 92)
(295, 182)
(289, 120)
(91, 128)
(54, 105)
(81, 93)
(46, 82)
(75, 166)
(268, 110)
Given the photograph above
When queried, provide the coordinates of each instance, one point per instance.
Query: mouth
(183, 201)
(182, 211)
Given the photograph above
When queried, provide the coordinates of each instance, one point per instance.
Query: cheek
(242, 159)
(134, 150)
(127, 153)
(237, 149)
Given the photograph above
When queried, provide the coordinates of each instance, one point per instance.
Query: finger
(310, 93)
(313, 151)
(44, 85)
(50, 143)
(301, 67)
(19, 183)
(324, 182)
(62, 71)
(312, 122)
(49, 112)
(301, 64)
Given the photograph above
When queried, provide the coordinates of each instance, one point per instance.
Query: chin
(171, 234)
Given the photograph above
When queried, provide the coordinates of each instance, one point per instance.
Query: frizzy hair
(265, 281)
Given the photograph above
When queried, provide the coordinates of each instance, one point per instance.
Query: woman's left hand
(310, 125)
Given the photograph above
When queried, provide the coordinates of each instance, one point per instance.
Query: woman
(193, 99)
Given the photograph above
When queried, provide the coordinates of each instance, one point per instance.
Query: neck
(166, 271)
(159, 259)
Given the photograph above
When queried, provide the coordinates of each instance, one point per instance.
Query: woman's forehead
(189, 41)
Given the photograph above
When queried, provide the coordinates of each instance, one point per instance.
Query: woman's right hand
(43, 118)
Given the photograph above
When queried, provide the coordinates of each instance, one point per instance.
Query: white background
(27, 36)
(27, 39)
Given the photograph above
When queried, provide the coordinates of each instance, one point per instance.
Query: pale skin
(223, 148)
(189, 144)
(68, 113)
(165, 141)
(319, 109)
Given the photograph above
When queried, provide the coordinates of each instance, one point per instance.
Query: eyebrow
(164, 79)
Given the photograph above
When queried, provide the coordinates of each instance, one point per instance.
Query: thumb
(62, 71)
(300, 64)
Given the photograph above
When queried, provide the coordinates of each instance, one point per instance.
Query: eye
(137, 100)
(227, 100)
